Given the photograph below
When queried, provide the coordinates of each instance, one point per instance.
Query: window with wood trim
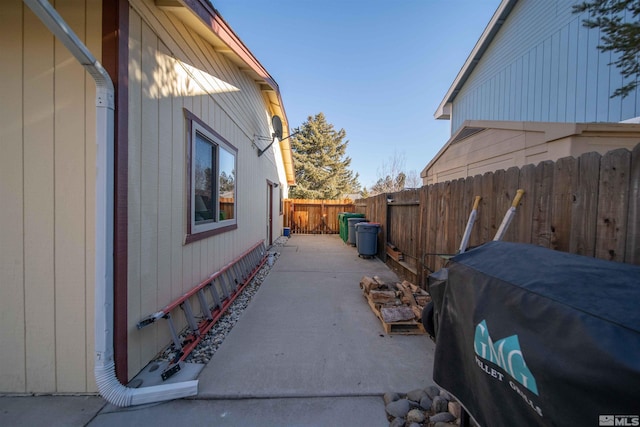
(212, 166)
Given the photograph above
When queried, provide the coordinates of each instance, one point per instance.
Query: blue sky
(377, 69)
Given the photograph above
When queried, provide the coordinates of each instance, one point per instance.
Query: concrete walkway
(307, 351)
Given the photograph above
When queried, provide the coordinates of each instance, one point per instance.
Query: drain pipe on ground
(108, 385)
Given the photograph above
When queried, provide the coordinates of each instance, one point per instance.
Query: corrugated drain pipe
(108, 385)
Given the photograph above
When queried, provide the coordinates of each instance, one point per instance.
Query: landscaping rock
(425, 403)
(413, 408)
(415, 416)
(455, 409)
(432, 391)
(444, 417)
(399, 409)
(416, 395)
(440, 404)
(390, 397)
(446, 395)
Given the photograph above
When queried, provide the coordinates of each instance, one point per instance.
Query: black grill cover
(530, 336)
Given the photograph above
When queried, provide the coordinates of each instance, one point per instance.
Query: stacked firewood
(396, 302)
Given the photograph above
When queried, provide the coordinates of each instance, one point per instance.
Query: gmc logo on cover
(505, 353)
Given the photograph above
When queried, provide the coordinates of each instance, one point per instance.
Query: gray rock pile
(428, 407)
(216, 335)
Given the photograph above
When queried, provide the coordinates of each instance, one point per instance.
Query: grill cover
(531, 336)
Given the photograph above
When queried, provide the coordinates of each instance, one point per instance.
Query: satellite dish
(277, 127)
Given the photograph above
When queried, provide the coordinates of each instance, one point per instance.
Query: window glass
(204, 176)
(227, 184)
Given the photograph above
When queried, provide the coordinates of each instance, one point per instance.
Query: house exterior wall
(172, 68)
(543, 65)
(47, 185)
(509, 144)
(47, 171)
(487, 151)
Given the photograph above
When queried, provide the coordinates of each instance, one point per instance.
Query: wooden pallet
(400, 328)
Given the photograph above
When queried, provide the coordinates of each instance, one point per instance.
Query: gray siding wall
(544, 65)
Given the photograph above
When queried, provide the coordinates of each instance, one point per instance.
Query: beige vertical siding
(12, 262)
(161, 266)
(47, 169)
(521, 144)
(47, 177)
(39, 203)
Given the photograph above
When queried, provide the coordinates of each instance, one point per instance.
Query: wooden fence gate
(310, 216)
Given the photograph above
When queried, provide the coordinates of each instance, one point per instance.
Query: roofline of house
(444, 109)
(552, 130)
(210, 21)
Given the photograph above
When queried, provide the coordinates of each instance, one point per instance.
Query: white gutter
(104, 365)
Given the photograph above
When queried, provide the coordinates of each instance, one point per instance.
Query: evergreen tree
(389, 184)
(392, 178)
(619, 33)
(322, 169)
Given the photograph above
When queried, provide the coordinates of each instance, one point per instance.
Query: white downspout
(108, 385)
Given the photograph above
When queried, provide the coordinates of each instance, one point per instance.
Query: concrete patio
(308, 351)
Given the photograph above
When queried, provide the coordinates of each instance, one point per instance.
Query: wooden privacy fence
(309, 216)
(588, 205)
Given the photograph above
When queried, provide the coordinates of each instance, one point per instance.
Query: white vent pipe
(108, 385)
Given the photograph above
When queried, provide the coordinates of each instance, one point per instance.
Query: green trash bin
(343, 221)
(341, 226)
